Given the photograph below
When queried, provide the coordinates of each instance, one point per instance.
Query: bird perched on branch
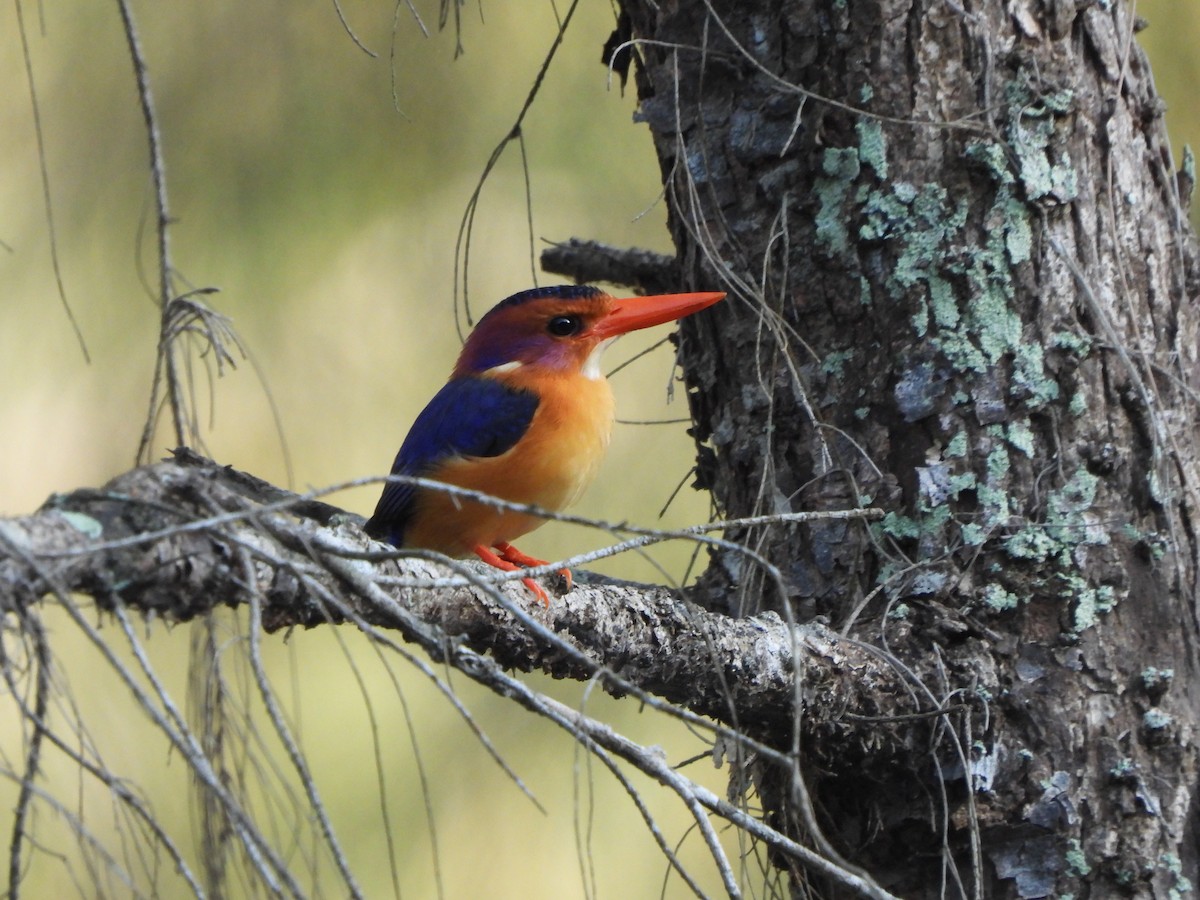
(525, 417)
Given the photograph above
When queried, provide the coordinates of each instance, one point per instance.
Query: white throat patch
(591, 366)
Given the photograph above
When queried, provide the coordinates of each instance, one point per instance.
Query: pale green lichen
(1018, 233)
(1078, 345)
(883, 212)
(872, 146)
(1151, 541)
(992, 156)
(1065, 521)
(962, 481)
(994, 501)
(935, 517)
(1123, 768)
(993, 493)
(1031, 543)
(1183, 885)
(1077, 863)
(997, 464)
(1020, 436)
(998, 599)
(958, 286)
(1037, 137)
(834, 362)
(966, 307)
(943, 303)
(83, 523)
(900, 527)
(1154, 678)
(1078, 405)
(1155, 719)
(841, 168)
(1029, 375)
(991, 319)
(1090, 603)
(973, 535)
(1068, 523)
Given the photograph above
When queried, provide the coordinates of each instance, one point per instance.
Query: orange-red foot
(511, 559)
(513, 555)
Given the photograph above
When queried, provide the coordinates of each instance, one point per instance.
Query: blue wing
(467, 417)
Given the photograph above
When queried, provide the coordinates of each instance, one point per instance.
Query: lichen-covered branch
(164, 539)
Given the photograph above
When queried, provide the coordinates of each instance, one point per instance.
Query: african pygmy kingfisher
(525, 417)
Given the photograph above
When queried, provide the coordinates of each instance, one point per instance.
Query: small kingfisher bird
(525, 417)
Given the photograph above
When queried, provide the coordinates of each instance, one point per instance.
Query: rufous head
(565, 328)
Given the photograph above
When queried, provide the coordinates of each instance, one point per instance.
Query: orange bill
(633, 313)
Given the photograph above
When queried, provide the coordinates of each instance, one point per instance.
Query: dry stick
(350, 32)
(263, 857)
(44, 172)
(41, 665)
(256, 846)
(462, 244)
(284, 733)
(653, 765)
(647, 535)
(430, 637)
(166, 348)
(381, 768)
(380, 639)
(648, 818)
(484, 670)
(115, 785)
(88, 837)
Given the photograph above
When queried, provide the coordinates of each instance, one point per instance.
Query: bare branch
(738, 671)
(590, 261)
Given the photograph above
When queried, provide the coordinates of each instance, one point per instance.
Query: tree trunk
(962, 289)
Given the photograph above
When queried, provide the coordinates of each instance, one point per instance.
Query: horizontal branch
(165, 539)
(587, 261)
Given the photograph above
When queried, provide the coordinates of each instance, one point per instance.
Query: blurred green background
(328, 219)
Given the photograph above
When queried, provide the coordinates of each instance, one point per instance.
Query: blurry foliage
(1172, 40)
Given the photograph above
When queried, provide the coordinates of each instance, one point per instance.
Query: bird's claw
(510, 559)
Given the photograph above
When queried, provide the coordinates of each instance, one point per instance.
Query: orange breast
(550, 466)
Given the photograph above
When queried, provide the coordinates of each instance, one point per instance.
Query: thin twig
(40, 662)
(166, 366)
(52, 231)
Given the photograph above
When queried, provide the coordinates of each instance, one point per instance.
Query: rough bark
(963, 290)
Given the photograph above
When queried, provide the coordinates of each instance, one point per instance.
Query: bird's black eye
(564, 326)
